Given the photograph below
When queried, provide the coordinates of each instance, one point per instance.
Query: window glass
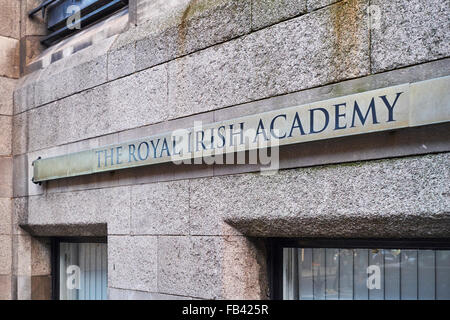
(82, 271)
(365, 274)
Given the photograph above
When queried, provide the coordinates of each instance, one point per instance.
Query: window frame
(55, 244)
(275, 252)
(96, 12)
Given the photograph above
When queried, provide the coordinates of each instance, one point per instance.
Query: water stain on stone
(347, 27)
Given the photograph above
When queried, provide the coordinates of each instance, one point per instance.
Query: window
(80, 269)
(66, 17)
(362, 271)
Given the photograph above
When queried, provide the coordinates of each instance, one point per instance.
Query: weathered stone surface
(316, 4)
(211, 267)
(325, 46)
(5, 135)
(22, 249)
(82, 70)
(204, 221)
(174, 28)
(399, 198)
(19, 214)
(421, 72)
(136, 100)
(121, 61)
(9, 57)
(24, 92)
(5, 216)
(41, 287)
(160, 208)
(245, 274)
(267, 12)
(20, 176)
(190, 266)
(6, 94)
(91, 207)
(6, 174)
(5, 254)
(409, 33)
(10, 18)
(5, 287)
(40, 256)
(20, 133)
(56, 86)
(23, 284)
(132, 263)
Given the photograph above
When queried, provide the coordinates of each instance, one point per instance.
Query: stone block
(204, 221)
(40, 257)
(23, 287)
(5, 135)
(268, 12)
(325, 46)
(22, 250)
(211, 268)
(156, 48)
(5, 216)
(245, 274)
(6, 92)
(5, 287)
(80, 71)
(5, 254)
(409, 33)
(132, 262)
(20, 176)
(19, 215)
(10, 18)
(52, 87)
(109, 206)
(24, 92)
(180, 27)
(41, 287)
(190, 266)
(160, 208)
(136, 100)
(6, 172)
(121, 61)
(388, 198)
(9, 57)
(19, 142)
(426, 71)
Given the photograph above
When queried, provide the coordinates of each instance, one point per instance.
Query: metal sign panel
(401, 106)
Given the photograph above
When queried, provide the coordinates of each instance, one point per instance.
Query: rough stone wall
(24, 260)
(9, 72)
(194, 231)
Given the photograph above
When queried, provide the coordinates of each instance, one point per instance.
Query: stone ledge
(393, 198)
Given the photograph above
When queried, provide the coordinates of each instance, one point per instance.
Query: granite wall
(197, 231)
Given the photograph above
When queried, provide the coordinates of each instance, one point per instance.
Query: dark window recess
(59, 13)
(304, 269)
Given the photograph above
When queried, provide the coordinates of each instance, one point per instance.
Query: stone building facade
(202, 231)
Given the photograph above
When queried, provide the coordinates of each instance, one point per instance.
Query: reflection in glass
(365, 274)
(82, 271)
